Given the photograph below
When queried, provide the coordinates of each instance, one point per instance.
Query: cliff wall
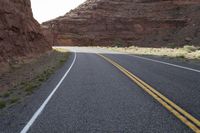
(154, 23)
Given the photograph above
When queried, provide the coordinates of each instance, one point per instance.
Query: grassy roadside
(187, 52)
(24, 78)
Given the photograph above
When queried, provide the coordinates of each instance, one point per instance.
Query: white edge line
(187, 68)
(39, 111)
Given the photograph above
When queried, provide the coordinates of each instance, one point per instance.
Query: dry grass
(25, 77)
(186, 52)
(60, 49)
(2, 104)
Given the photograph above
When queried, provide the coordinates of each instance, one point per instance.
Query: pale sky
(44, 10)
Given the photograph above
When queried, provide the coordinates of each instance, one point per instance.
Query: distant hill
(154, 23)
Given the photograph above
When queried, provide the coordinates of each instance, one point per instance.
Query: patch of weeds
(45, 75)
(7, 94)
(14, 100)
(32, 85)
(15, 66)
(119, 43)
(190, 48)
(29, 87)
(10, 91)
(22, 83)
(41, 78)
(62, 60)
(48, 72)
(2, 104)
(171, 45)
(180, 56)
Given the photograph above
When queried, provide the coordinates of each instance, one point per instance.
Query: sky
(44, 10)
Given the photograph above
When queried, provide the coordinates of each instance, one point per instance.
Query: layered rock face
(20, 33)
(130, 22)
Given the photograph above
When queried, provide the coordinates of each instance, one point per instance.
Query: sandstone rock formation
(20, 33)
(130, 22)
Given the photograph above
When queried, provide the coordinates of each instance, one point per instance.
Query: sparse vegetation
(180, 56)
(7, 94)
(119, 42)
(30, 86)
(62, 61)
(14, 100)
(2, 104)
(191, 48)
(186, 52)
(28, 75)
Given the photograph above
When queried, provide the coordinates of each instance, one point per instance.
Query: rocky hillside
(126, 22)
(20, 33)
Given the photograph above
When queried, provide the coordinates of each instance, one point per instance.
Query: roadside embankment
(22, 77)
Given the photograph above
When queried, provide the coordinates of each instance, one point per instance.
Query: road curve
(179, 85)
(96, 97)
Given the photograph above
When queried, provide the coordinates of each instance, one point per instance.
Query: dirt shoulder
(20, 79)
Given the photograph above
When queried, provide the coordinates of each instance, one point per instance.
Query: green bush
(14, 99)
(30, 87)
(7, 94)
(119, 43)
(2, 104)
(171, 45)
(180, 56)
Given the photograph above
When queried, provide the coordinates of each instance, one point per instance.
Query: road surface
(90, 95)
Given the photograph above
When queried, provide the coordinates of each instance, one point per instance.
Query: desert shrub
(7, 94)
(119, 43)
(14, 100)
(180, 56)
(171, 45)
(2, 104)
(190, 48)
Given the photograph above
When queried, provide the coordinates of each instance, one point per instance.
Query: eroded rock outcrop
(130, 22)
(20, 33)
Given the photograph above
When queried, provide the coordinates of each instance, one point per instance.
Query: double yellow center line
(181, 114)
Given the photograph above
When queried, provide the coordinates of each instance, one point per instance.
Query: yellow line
(190, 117)
(181, 114)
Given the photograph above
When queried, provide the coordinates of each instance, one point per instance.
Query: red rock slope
(130, 22)
(20, 34)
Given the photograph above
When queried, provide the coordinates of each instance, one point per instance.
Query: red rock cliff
(130, 22)
(20, 33)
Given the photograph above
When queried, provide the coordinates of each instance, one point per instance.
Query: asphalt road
(96, 97)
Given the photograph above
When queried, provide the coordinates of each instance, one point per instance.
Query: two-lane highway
(189, 120)
(95, 96)
(180, 85)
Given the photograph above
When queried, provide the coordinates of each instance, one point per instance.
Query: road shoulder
(18, 115)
